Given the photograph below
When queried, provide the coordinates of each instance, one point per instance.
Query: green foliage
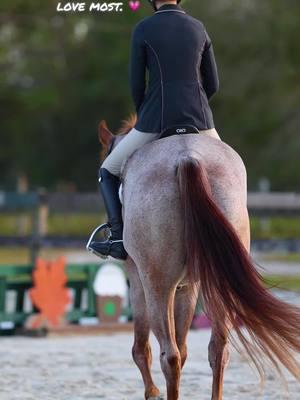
(291, 258)
(291, 283)
(72, 224)
(62, 73)
(276, 228)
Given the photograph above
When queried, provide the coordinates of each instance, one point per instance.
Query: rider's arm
(138, 67)
(208, 69)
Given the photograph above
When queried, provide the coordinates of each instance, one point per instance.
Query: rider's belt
(179, 130)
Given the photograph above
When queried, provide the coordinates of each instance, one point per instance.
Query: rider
(177, 51)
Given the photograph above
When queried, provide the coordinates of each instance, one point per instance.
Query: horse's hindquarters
(153, 216)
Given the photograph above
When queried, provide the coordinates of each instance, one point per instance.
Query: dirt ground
(100, 367)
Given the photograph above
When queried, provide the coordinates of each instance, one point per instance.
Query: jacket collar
(170, 7)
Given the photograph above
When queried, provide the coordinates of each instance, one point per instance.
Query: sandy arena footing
(100, 367)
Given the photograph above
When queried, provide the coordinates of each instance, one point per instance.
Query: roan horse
(186, 230)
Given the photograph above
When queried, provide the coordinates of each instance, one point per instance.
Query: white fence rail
(274, 203)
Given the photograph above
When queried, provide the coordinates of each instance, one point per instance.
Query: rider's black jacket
(176, 50)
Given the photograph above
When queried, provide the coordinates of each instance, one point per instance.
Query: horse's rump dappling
(152, 208)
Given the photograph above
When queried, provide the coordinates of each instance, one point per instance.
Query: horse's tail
(230, 285)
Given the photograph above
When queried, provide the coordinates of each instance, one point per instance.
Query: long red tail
(230, 283)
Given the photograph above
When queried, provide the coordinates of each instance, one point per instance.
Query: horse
(186, 231)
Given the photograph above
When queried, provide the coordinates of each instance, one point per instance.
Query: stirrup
(92, 238)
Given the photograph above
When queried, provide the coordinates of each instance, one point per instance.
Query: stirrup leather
(107, 241)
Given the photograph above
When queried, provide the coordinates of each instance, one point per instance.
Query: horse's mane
(127, 124)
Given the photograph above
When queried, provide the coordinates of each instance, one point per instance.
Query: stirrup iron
(108, 241)
(92, 238)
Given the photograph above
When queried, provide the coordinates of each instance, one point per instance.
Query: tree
(62, 73)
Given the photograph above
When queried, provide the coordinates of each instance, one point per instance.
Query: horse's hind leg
(219, 346)
(160, 305)
(218, 358)
(185, 304)
(141, 350)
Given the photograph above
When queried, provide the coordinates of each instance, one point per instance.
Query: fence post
(264, 186)
(23, 219)
(39, 225)
(35, 244)
(43, 213)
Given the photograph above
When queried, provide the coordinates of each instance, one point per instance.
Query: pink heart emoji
(134, 5)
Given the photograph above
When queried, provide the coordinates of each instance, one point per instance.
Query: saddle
(179, 130)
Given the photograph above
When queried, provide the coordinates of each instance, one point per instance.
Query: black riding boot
(113, 246)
